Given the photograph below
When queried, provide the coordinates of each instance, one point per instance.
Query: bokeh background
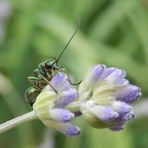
(113, 32)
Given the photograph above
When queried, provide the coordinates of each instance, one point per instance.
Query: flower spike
(106, 97)
(50, 107)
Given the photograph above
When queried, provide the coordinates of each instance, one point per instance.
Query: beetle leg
(48, 83)
(77, 83)
(69, 80)
(35, 83)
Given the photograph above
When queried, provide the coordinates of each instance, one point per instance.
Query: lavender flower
(105, 97)
(50, 106)
(104, 100)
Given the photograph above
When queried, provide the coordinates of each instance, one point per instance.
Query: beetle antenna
(72, 36)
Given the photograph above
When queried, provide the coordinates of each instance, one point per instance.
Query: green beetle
(43, 75)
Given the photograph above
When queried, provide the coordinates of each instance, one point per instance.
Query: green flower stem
(17, 121)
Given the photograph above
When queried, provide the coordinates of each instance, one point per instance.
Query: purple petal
(114, 75)
(106, 73)
(123, 117)
(66, 98)
(129, 94)
(95, 74)
(116, 80)
(59, 114)
(104, 113)
(121, 107)
(68, 129)
(119, 72)
(72, 131)
(109, 72)
(60, 82)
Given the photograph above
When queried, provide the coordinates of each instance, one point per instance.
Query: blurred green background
(113, 32)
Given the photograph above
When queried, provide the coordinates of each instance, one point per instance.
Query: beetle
(44, 73)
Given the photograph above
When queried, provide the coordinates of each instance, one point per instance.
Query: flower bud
(106, 97)
(50, 106)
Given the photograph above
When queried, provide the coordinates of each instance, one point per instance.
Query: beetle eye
(48, 65)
